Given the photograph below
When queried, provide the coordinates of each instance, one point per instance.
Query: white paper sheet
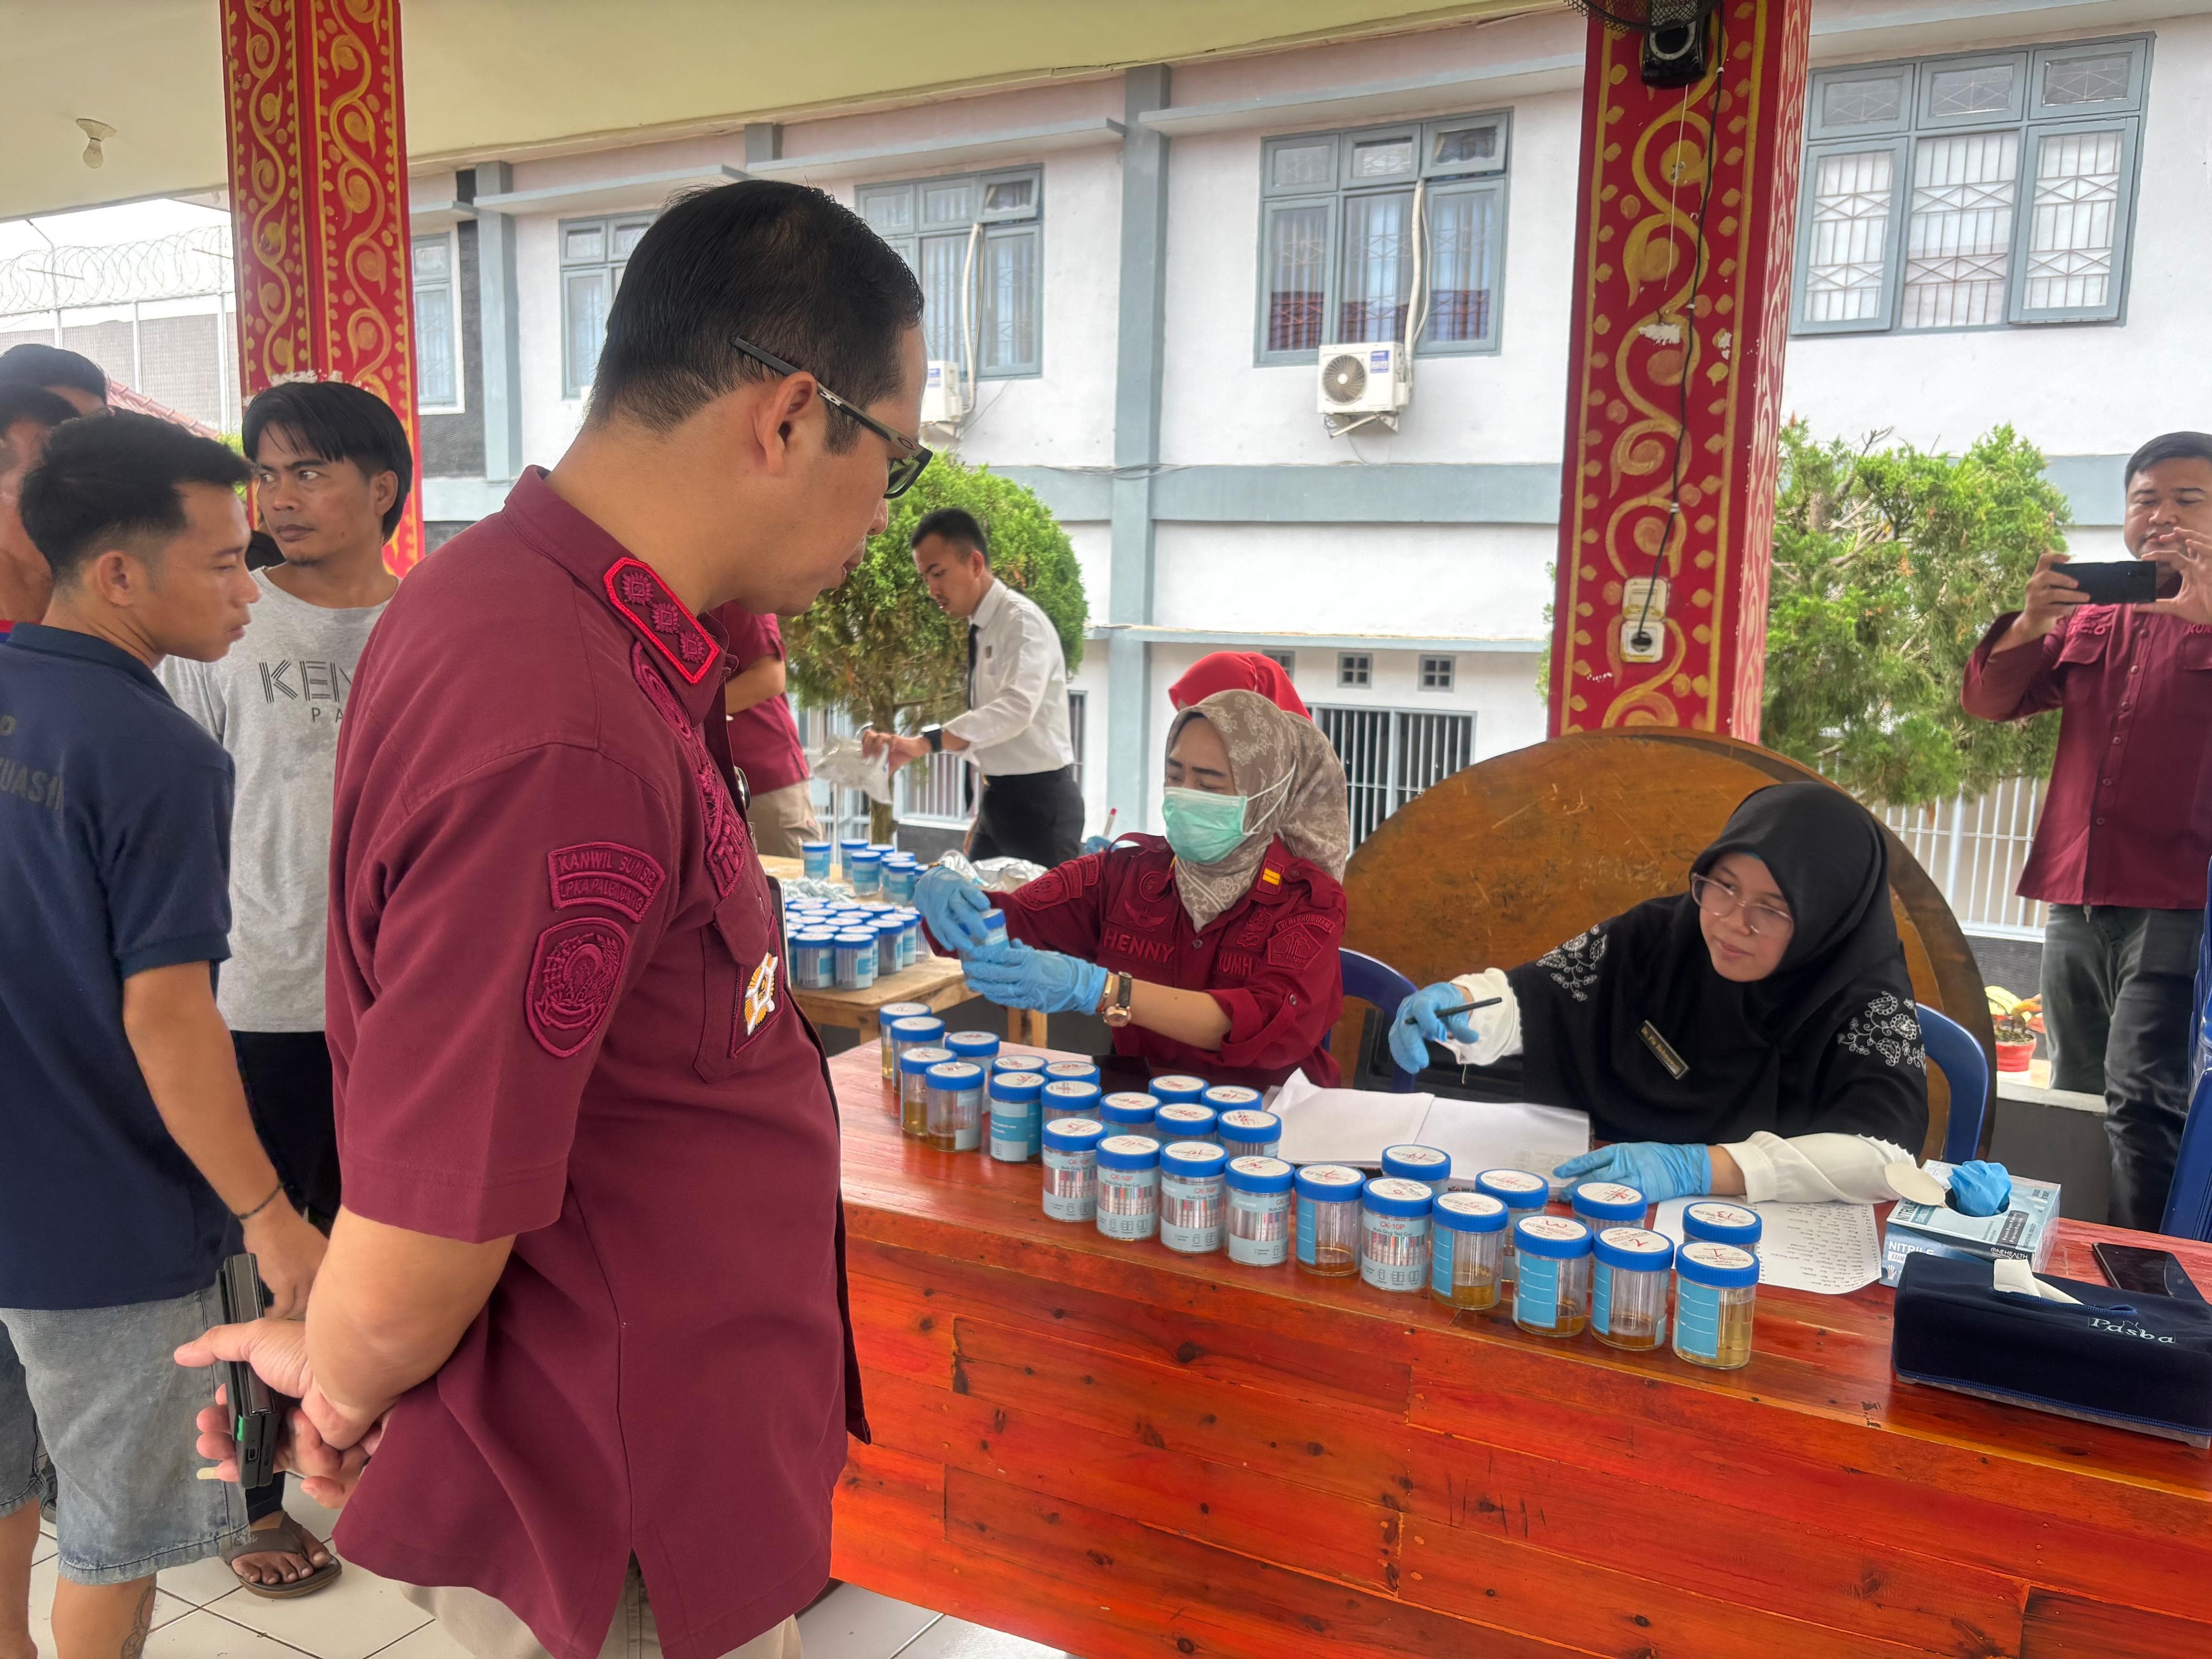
(1830, 1248)
(1352, 1126)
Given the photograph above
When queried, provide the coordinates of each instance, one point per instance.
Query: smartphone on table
(2143, 1271)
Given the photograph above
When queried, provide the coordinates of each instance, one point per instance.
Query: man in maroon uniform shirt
(764, 737)
(589, 1270)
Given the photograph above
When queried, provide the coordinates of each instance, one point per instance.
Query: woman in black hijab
(1755, 1035)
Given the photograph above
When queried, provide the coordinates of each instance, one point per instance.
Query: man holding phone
(2120, 854)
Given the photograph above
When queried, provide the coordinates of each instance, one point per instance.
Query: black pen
(1464, 1008)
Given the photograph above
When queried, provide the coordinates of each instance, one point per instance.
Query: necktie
(973, 631)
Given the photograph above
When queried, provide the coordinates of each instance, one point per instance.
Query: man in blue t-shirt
(128, 1163)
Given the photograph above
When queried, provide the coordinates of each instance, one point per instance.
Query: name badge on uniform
(1677, 1068)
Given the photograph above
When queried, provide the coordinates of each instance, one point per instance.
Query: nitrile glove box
(2022, 1233)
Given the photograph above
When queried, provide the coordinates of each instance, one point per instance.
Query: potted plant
(2015, 1038)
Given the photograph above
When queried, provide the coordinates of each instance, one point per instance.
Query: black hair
(956, 525)
(31, 364)
(780, 265)
(108, 481)
(21, 401)
(2169, 446)
(339, 422)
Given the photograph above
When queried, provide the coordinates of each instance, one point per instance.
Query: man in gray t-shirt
(331, 468)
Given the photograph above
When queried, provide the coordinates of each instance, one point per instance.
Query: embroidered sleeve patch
(1888, 1030)
(573, 976)
(1296, 945)
(605, 873)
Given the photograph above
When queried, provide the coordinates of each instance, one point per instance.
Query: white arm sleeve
(1822, 1169)
(1497, 1031)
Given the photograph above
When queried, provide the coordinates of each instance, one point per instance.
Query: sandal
(287, 1537)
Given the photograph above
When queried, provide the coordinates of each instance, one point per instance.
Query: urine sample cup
(1329, 1220)
(1128, 1187)
(1259, 1211)
(1715, 1288)
(1551, 1289)
(953, 1092)
(1522, 1193)
(1467, 1250)
(1629, 1279)
(914, 1087)
(1071, 1168)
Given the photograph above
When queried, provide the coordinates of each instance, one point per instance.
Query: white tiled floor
(200, 1612)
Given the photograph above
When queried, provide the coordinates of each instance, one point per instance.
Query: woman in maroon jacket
(1213, 950)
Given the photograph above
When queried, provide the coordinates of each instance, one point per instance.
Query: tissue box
(2023, 1232)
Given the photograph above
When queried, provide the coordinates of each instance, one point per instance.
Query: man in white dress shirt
(1015, 729)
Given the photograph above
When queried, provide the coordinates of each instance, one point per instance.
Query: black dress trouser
(1037, 816)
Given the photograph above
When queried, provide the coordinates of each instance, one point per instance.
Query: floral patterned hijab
(1294, 787)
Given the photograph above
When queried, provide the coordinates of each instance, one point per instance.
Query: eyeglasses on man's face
(909, 458)
(1720, 901)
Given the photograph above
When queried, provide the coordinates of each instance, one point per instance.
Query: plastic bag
(842, 764)
(993, 875)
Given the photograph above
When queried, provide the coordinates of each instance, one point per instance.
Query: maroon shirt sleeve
(2010, 685)
(506, 916)
(752, 635)
(1060, 910)
(1278, 1016)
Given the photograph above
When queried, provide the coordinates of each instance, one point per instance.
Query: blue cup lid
(955, 1074)
(1082, 1070)
(1396, 1195)
(903, 1011)
(1249, 1125)
(1192, 1159)
(1413, 1163)
(1074, 1134)
(1470, 1213)
(1259, 1175)
(1231, 1096)
(855, 939)
(1069, 1094)
(867, 855)
(1128, 1152)
(1723, 1223)
(815, 939)
(919, 1061)
(1552, 1236)
(1636, 1249)
(918, 1027)
(1330, 1183)
(1725, 1266)
(889, 927)
(1609, 1202)
(1017, 1063)
(1516, 1189)
(1128, 1108)
(1177, 1087)
(1021, 1088)
(853, 846)
(1182, 1117)
(994, 921)
(973, 1045)
(816, 846)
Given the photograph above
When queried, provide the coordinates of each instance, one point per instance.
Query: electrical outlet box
(1644, 619)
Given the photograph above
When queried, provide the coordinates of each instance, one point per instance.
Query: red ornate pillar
(1682, 254)
(318, 144)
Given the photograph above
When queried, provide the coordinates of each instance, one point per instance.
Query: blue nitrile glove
(1417, 1025)
(1016, 976)
(1981, 1188)
(1095, 844)
(953, 907)
(1655, 1168)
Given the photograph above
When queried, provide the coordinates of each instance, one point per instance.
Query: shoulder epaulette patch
(635, 590)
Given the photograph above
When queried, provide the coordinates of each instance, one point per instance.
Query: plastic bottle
(954, 1093)
(1130, 1113)
(887, 931)
(1128, 1187)
(845, 851)
(1176, 1089)
(979, 1046)
(887, 1020)
(814, 860)
(1601, 1204)
(1722, 1224)
(900, 874)
(1259, 1211)
(1184, 1121)
(1467, 1254)
(1628, 1287)
(1071, 1168)
(909, 937)
(1247, 1132)
(1065, 1096)
(1329, 1220)
(1079, 1071)
(856, 960)
(914, 1087)
(1522, 1193)
(1005, 1062)
(994, 929)
(1550, 1292)
(1716, 1286)
(1016, 1102)
(814, 960)
(1393, 1226)
(1423, 1163)
(1191, 1187)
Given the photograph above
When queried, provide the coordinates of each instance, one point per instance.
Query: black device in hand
(255, 1419)
(2114, 581)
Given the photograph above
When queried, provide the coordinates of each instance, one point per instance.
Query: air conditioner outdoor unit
(941, 402)
(1367, 379)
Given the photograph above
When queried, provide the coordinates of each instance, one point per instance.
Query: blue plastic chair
(2189, 1204)
(1966, 1069)
(1384, 986)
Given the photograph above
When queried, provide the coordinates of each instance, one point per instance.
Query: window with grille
(1355, 669)
(594, 252)
(1437, 673)
(1391, 755)
(975, 244)
(1338, 234)
(1286, 660)
(437, 323)
(1970, 191)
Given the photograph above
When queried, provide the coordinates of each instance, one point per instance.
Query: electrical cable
(1690, 314)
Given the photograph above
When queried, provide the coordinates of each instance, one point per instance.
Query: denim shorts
(117, 1414)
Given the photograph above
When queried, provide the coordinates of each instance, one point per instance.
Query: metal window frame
(609, 266)
(2017, 131)
(1374, 795)
(1454, 178)
(1492, 186)
(2015, 109)
(1003, 224)
(2035, 121)
(1286, 660)
(450, 237)
(1365, 660)
(1425, 663)
(1817, 128)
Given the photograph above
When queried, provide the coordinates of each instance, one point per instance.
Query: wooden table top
(1451, 1468)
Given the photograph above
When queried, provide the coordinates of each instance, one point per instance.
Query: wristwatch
(1114, 1007)
(934, 735)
